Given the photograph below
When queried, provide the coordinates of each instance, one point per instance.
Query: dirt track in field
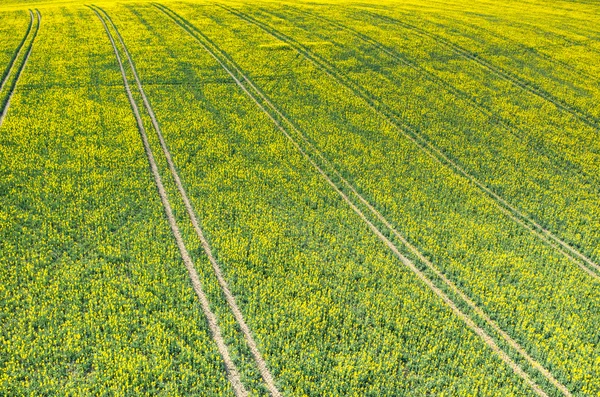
(260, 362)
(407, 262)
(20, 71)
(232, 371)
(567, 250)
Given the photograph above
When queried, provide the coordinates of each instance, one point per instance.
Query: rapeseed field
(309, 198)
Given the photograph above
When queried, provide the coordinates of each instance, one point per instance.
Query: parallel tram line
(9, 68)
(572, 254)
(260, 362)
(531, 50)
(546, 30)
(6, 102)
(556, 160)
(231, 369)
(265, 105)
(512, 78)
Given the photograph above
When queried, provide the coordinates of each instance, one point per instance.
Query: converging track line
(486, 110)
(232, 371)
(260, 362)
(517, 81)
(576, 257)
(205, 43)
(6, 103)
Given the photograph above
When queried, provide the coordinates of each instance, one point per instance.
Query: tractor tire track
(504, 74)
(6, 103)
(555, 159)
(526, 48)
(554, 36)
(576, 257)
(232, 371)
(260, 362)
(407, 262)
(9, 68)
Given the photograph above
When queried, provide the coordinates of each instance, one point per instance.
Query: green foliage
(93, 299)
(94, 296)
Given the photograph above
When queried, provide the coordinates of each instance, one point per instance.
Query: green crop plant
(299, 198)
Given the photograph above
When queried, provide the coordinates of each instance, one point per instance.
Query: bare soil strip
(407, 262)
(20, 71)
(9, 69)
(232, 371)
(260, 362)
(584, 262)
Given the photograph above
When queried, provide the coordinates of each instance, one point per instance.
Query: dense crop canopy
(300, 199)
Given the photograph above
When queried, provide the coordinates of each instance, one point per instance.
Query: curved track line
(450, 88)
(433, 151)
(544, 29)
(407, 262)
(523, 46)
(517, 81)
(232, 371)
(260, 362)
(9, 68)
(20, 71)
(412, 248)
